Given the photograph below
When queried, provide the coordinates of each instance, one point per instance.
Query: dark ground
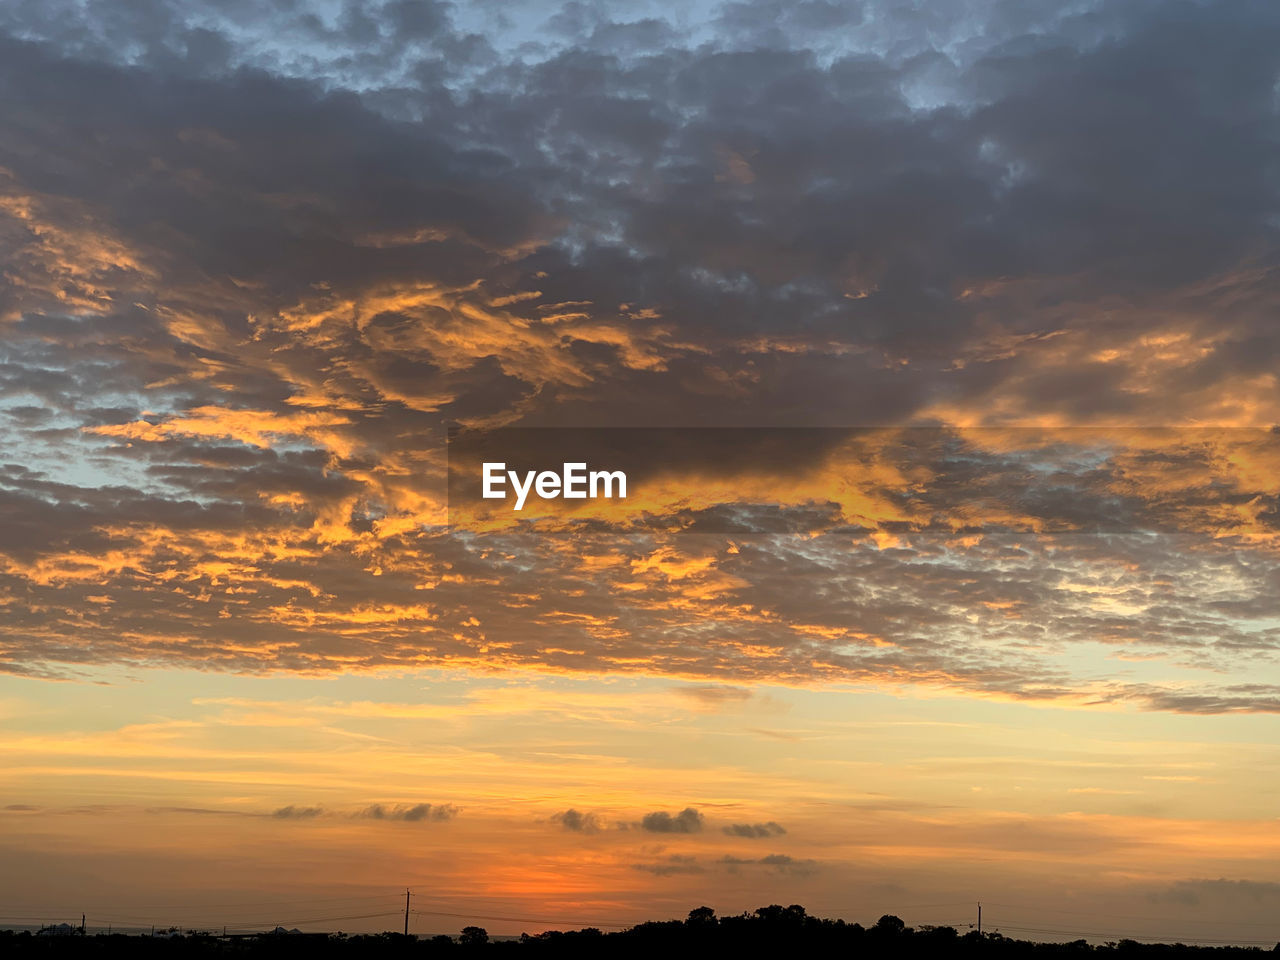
(783, 931)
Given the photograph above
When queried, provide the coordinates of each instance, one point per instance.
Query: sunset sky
(1017, 644)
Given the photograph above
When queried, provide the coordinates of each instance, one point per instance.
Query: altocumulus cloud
(258, 338)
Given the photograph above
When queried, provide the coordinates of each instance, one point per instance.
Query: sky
(968, 597)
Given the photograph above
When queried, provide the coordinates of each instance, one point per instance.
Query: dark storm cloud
(248, 284)
(362, 40)
(266, 181)
(943, 201)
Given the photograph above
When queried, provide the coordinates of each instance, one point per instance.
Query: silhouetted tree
(773, 930)
(889, 924)
(474, 937)
(777, 914)
(701, 917)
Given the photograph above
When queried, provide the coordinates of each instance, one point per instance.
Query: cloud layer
(249, 284)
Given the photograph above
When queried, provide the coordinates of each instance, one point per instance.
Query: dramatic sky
(1018, 644)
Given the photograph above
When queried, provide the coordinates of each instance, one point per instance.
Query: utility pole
(979, 918)
(406, 911)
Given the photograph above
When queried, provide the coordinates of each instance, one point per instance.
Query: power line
(1097, 935)
(926, 906)
(358, 916)
(1024, 928)
(567, 923)
(257, 922)
(1161, 938)
(203, 918)
(251, 903)
(1127, 916)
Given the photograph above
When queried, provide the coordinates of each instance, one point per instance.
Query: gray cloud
(577, 822)
(778, 862)
(329, 250)
(673, 865)
(687, 820)
(1220, 892)
(293, 812)
(755, 830)
(413, 813)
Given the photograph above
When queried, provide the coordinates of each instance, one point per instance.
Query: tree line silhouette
(771, 928)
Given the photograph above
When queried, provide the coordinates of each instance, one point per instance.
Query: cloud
(412, 813)
(1221, 892)
(673, 865)
(714, 697)
(227, 380)
(577, 822)
(292, 812)
(687, 820)
(755, 830)
(777, 862)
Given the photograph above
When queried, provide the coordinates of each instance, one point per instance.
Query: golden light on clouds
(939, 370)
